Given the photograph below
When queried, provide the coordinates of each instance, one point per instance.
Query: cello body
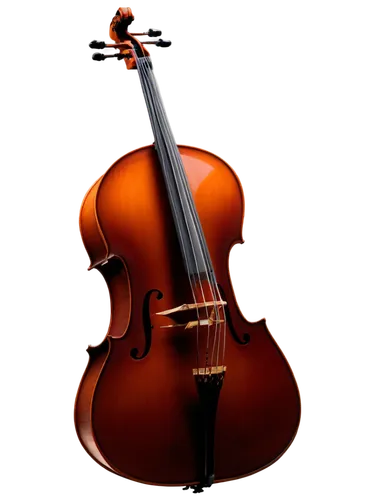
(137, 408)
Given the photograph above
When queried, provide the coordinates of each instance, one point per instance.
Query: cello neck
(188, 227)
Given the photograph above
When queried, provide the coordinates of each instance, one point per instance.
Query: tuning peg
(97, 45)
(98, 56)
(102, 57)
(150, 32)
(154, 32)
(164, 43)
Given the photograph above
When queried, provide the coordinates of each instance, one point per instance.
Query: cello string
(174, 150)
(157, 133)
(182, 177)
(213, 286)
(212, 282)
(165, 135)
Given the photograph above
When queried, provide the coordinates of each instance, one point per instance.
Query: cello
(183, 390)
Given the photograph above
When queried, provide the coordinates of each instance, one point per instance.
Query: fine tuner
(103, 50)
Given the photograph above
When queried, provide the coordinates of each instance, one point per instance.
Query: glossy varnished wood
(138, 418)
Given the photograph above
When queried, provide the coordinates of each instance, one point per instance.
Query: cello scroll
(120, 41)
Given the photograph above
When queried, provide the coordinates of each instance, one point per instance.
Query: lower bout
(257, 421)
(161, 449)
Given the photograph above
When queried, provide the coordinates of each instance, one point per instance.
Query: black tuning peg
(150, 32)
(154, 32)
(97, 45)
(163, 43)
(102, 57)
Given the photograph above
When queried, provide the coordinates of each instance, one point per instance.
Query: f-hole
(147, 326)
